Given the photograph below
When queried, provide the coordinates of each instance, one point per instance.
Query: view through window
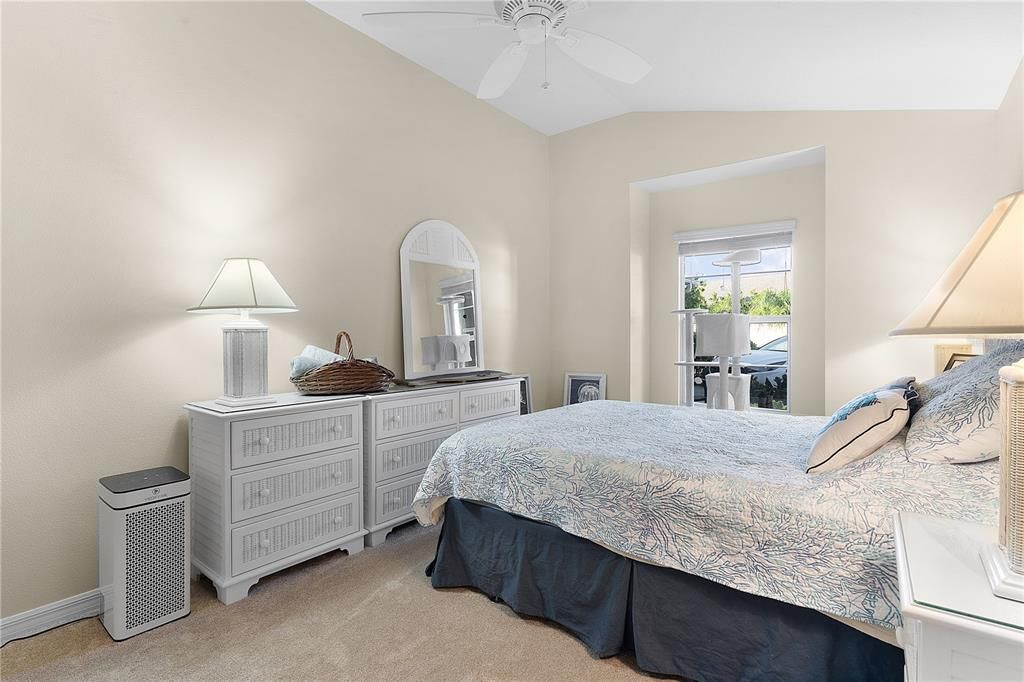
(765, 290)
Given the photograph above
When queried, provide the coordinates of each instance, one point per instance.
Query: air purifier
(143, 522)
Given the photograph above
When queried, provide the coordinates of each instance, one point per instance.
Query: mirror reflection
(443, 317)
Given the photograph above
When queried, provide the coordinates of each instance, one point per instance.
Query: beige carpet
(368, 617)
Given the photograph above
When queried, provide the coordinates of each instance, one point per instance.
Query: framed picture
(583, 387)
(957, 359)
(525, 395)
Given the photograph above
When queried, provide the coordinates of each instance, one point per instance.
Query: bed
(718, 495)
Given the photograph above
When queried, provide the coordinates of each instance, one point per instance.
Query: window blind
(770, 235)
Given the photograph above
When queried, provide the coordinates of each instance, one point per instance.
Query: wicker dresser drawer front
(266, 490)
(407, 456)
(257, 441)
(394, 499)
(409, 415)
(489, 402)
(264, 542)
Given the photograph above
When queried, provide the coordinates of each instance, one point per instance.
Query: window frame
(773, 234)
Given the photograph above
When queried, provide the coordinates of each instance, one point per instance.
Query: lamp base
(1004, 582)
(245, 402)
(245, 363)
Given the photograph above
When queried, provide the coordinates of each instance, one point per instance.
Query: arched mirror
(442, 330)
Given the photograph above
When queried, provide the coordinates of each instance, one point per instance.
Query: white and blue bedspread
(722, 495)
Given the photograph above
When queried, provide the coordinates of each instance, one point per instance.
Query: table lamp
(244, 286)
(982, 295)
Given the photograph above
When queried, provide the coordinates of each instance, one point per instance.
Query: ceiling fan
(534, 22)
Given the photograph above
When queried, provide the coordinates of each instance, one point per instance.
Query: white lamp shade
(245, 284)
(982, 292)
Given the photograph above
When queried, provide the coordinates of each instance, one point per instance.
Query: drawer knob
(265, 492)
(442, 410)
(338, 520)
(265, 440)
(337, 475)
(338, 429)
(265, 543)
(396, 459)
(508, 400)
(397, 419)
(472, 405)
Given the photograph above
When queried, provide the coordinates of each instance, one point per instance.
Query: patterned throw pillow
(860, 427)
(958, 421)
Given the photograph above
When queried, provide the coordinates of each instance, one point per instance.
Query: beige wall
(797, 194)
(143, 142)
(1010, 135)
(639, 294)
(904, 192)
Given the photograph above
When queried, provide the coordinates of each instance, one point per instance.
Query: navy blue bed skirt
(675, 623)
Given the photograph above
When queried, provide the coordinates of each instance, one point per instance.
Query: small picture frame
(582, 387)
(957, 359)
(525, 395)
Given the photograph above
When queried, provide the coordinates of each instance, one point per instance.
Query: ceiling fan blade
(429, 20)
(503, 72)
(604, 56)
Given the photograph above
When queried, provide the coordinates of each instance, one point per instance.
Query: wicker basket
(344, 376)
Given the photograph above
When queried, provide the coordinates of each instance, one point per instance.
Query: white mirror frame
(435, 241)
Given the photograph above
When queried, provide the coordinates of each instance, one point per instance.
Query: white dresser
(954, 628)
(273, 485)
(403, 428)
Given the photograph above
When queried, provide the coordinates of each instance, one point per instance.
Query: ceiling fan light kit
(534, 23)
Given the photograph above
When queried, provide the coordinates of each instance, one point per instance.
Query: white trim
(734, 231)
(49, 616)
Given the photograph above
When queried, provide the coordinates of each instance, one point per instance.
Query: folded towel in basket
(311, 358)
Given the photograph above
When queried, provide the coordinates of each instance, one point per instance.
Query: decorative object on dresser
(982, 295)
(273, 486)
(581, 387)
(403, 428)
(245, 285)
(442, 326)
(954, 628)
(344, 376)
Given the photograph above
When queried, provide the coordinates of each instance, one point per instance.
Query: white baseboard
(49, 616)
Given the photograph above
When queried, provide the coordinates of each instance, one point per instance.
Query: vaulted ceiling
(733, 56)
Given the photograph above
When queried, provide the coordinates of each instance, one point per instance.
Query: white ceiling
(732, 56)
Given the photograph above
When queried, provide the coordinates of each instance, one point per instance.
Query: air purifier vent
(156, 582)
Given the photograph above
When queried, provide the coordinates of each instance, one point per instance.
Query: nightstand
(954, 628)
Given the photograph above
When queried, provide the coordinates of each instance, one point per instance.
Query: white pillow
(858, 428)
(958, 422)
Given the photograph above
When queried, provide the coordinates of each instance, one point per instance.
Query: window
(765, 295)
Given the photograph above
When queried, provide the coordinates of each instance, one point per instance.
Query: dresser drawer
(265, 542)
(257, 441)
(266, 490)
(408, 455)
(489, 402)
(409, 415)
(394, 499)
